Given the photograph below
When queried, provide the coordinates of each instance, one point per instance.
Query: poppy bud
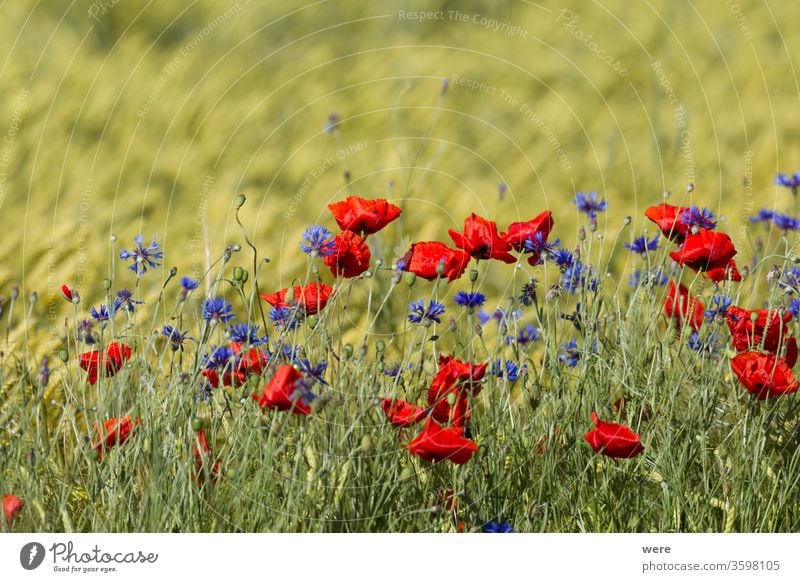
(581, 234)
(312, 321)
(240, 200)
(66, 292)
(473, 275)
(627, 220)
(441, 269)
(245, 276)
(366, 443)
(106, 284)
(409, 278)
(197, 424)
(238, 273)
(63, 355)
(315, 270)
(347, 351)
(451, 398)
(34, 297)
(290, 296)
(380, 346)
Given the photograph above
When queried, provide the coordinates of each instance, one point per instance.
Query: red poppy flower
(230, 377)
(252, 361)
(667, 218)
(12, 505)
(115, 355)
(279, 393)
(750, 328)
(202, 456)
(113, 432)
(764, 375)
(613, 440)
(705, 251)
(349, 255)
(428, 259)
(683, 307)
(519, 232)
(727, 273)
(363, 216)
(401, 413)
(481, 240)
(454, 377)
(312, 297)
(436, 444)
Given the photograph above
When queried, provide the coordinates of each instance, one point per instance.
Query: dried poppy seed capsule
(582, 234)
(473, 275)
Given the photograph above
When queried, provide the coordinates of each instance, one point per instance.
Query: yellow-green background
(133, 111)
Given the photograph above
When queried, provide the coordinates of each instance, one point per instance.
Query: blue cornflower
(527, 335)
(569, 353)
(539, 245)
(590, 204)
(702, 218)
(425, 316)
(220, 357)
(710, 346)
(722, 302)
(785, 222)
(794, 308)
(509, 370)
(502, 316)
(527, 294)
(175, 336)
(764, 215)
(285, 318)
(792, 182)
(317, 241)
(470, 299)
(142, 257)
(85, 331)
(562, 258)
(188, 284)
(216, 309)
(575, 278)
(498, 527)
(44, 371)
(103, 313)
(641, 245)
(648, 279)
(246, 333)
(126, 301)
(790, 280)
(316, 373)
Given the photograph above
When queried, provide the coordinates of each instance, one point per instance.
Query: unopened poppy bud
(34, 297)
(66, 292)
(238, 273)
(289, 297)
(378, 263)
(312, 321)
(362, 350)
(627, 220)
(440, 268)
(754, 316)
(473, 275)
(197, 424)
(63, 355)
(366, 443)
(106, 284)
(380, 346)
(451, 399)
(315, 270)
(347, 351)
(245, 276)
(240, 200)
(406, 473)
(173, 271)
(409, 278)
